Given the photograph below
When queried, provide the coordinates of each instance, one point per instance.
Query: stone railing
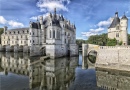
(114, 47)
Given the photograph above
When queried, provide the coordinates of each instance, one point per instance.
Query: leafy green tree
(98, 39)
(79, 42)
(1, 31)
(111, 42)
(120, 43)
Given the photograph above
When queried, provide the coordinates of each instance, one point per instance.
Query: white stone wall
(114, 57)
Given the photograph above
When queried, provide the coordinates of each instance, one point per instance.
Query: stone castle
(118, 29)
(53, 35)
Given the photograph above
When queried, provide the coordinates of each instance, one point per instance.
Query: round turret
(124, 21)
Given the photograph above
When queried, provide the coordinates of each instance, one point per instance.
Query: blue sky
(91, 17)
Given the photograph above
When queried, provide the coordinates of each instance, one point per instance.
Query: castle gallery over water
(52, 35)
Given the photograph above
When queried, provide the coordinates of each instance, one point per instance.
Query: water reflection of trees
(49, 75)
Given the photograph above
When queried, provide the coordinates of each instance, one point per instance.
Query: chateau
(118, 29)
(53, 35)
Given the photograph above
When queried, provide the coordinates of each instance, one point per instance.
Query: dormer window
(117, 28)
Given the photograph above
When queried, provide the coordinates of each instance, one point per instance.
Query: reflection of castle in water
(48, 75)
(113, 80)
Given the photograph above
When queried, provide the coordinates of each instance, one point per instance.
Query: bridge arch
(87, 48)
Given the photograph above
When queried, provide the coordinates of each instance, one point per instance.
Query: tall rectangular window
(53, 33)
(65, 41)
(50, 33)
(117, 34)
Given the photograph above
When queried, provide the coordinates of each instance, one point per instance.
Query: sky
(91, 17)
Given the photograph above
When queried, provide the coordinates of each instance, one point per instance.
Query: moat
(19, 72)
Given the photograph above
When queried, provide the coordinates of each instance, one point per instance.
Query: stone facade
(114, 57)
(53, 35)
(118, 29)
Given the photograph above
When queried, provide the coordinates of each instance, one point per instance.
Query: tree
(111, 42)
(80, 41)
(98, 39)
(1, 31)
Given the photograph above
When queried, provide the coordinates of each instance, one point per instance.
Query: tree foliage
(111, 42)
(1, 31)
(80, 41)
(101, 40)
(98, 39)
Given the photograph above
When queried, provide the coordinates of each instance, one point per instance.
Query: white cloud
(15, 24)
(128, 8)
(49, 5)
(11, 23)
(88, 34)
(35, 17)
(97, 30)
(2, 20)
(100, 27)
(104, 23)
(93, 32)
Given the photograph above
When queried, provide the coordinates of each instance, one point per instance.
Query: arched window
(53, 33)
(50, 33)
(57, 34)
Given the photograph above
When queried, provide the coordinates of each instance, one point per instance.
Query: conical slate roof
(124, 17)
(114, 23)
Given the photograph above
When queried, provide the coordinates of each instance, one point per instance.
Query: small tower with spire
(124, 26)
(55, 12)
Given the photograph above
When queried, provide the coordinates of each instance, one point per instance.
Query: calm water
(20, 72)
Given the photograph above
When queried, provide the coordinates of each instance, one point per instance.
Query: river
(18, 71)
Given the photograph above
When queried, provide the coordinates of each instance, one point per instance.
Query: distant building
(118, 29)
(53, 35)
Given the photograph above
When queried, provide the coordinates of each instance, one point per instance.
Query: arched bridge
(112, 57)
(87, 48)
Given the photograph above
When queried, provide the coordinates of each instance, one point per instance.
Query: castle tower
(118, 29)
(43, 32)
(5, 28)
(124, 26)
